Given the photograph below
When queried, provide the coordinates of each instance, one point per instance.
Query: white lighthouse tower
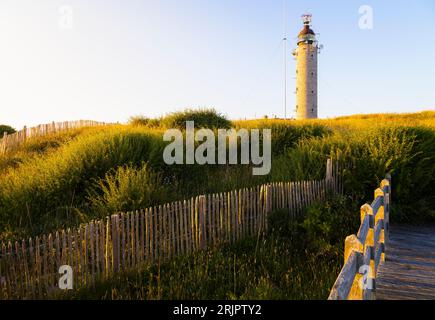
(306, 72)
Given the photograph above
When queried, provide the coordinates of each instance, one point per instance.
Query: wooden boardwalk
(409, 271)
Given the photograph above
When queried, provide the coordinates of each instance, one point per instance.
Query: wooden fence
(365, 251)
(11, 141)
(126, 241)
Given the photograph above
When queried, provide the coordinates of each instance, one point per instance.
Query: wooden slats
(11, 141)
(409, 271)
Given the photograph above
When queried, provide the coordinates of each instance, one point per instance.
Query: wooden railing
(11, 141)
(123, 242)
(365, 251)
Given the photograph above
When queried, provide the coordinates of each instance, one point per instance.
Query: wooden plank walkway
(409, 271)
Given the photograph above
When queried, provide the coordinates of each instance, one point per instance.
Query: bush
(328, 223)
(204, 118)
(128, 189)
(144, 121)
(287, 135)
(7, 129)
(408, 153)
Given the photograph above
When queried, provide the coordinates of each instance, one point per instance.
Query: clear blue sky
(150, 57)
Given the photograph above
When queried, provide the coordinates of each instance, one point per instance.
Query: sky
(108, 60)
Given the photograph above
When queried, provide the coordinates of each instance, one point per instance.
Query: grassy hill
(64, 179)
(71, 177)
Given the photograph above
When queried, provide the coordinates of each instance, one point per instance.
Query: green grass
(62, 180)
(38, 146)
(268, 269)
(71, 183)
(65, 179)
(287, 263)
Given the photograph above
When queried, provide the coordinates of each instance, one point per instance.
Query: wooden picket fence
(11, 141)
(127, 241)
(365, 251)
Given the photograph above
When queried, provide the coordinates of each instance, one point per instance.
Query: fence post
(269, 199)
(3, 143)
(381, 216)
(387, 205)
(264, 206)
(352, 244)
(329, 170)
(367, 286)
(201, 218)
(115, 243)
(369, 247)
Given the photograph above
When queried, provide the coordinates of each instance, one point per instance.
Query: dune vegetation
(64, 179)
(6, 129)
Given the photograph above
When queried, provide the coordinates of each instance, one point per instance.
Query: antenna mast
(284, 39)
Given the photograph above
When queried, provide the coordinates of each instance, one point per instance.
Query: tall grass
(62, 180)
(284, 264)
(75, 181)
(50, 190)
(40, 145)
(408, 153)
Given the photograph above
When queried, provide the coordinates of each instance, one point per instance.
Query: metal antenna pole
(285, 56)
(285, 78)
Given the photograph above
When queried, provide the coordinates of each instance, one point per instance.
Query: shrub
(128, 188)
(408, 153)
(204, 118)
(7, 129)
(144, 121)
(286, 135)
(328, 223)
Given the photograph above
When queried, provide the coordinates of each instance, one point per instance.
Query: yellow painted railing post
(386, 184)
(367, 210)
(352, 244)
(381, 216)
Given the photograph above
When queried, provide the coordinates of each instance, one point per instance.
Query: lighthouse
(306, 71)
